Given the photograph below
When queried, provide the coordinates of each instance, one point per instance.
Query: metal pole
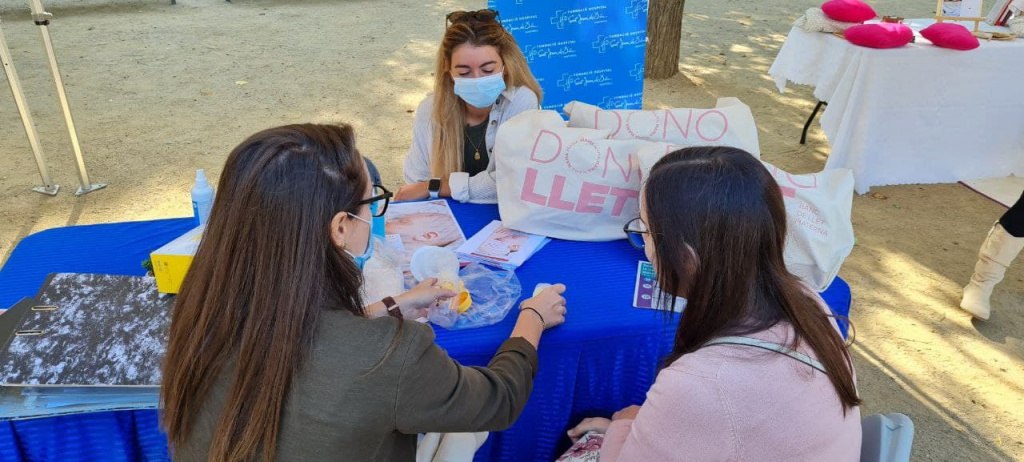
(26, 118)
(42, 19)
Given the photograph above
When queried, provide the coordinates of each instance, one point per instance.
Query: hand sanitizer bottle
(202, 197)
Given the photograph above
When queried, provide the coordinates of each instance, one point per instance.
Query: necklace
(476, 148)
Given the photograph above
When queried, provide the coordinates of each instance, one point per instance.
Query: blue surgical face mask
(361, 259)
(480, 92)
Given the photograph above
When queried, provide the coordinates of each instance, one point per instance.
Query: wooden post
(664, 32)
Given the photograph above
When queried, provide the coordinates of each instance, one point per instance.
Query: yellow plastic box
(171, 262)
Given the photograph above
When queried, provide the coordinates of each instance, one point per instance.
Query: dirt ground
(157, 91)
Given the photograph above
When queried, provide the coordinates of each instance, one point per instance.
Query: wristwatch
(434, 187)
(392, 306)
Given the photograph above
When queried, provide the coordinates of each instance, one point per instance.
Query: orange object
(463, 301)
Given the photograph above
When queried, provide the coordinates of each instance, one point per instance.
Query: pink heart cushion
(949, 35)
(881, 35)
(848, 10)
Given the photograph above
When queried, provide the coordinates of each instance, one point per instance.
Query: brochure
(419, 224)
(502, 247)
(647, 294)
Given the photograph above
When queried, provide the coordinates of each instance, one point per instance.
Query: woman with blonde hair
(482, 80)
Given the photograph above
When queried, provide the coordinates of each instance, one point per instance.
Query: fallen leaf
(879, 196)
(207, 93)
(896, 206)
(241, 82)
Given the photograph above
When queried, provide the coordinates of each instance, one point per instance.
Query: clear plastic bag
(382, 275)
(494, 293)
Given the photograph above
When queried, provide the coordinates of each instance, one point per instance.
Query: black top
(475, 137)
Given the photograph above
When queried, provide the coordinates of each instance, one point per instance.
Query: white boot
(996, 254)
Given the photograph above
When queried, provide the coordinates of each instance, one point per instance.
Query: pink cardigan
(731, 402)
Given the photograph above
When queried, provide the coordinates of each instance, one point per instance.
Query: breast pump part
(540, 288)
(494, 294)
(435, 262)
(443, 264)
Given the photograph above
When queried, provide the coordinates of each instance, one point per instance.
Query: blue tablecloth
(603, 358)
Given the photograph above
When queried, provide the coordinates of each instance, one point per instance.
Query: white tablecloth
(917, 114)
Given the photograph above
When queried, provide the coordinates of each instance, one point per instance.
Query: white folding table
(916, 114)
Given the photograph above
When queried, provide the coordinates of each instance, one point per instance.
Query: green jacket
(340, 408)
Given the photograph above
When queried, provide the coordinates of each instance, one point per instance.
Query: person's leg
(1013, 219)
(1005, 240)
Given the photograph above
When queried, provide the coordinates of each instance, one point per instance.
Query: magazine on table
(412, 225)
(647, 294)
(502, 247)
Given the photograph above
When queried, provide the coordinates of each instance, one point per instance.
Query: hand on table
(600, 424)
(549, 304)
(588, 425)
(413, 192)
(416, 301)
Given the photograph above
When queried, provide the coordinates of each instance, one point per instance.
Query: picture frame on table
(960, 10)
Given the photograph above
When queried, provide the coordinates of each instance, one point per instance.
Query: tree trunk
(664, 32)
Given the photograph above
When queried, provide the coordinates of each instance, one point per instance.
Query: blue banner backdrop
(581, 49)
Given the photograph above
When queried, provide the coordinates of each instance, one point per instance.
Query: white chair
(887, 438)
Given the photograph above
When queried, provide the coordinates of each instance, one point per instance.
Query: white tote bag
(565, 183)
(820, 227)
(730, 123)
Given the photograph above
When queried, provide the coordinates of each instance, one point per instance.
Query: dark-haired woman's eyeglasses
(635, 230)
(474, 16)
(378, 201)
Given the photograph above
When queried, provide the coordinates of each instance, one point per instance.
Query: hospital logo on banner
(638, 72)
(635, 39)
(556, 50)
(637, 8)
(581, 50)
(622, 101)
(580, 16)
(521, 25)
(595, 78)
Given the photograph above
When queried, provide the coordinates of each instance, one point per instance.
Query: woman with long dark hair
(272, 354)
(481, 80)
(758, 370)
